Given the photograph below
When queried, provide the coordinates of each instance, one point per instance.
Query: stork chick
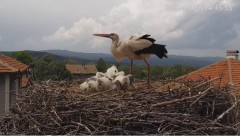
(92, 85)
(120, 73)
(124, 81)
(100, 74)
(111, 72)
(116, 85)
(84, 86)
(131, 80)
(103, 83)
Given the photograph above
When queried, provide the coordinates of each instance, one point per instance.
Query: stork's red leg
(130, 70)
(148, 73)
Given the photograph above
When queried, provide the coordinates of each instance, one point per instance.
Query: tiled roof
(8, 65)
(235, 72)
(228, 70)
(81, 69)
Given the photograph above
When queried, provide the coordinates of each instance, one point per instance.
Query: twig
(225, 112)
(201, 96)
(56, 114)
(82, 125)
(208, 81)
(178, 100)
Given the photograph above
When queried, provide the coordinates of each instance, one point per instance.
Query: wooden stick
(201, 96)
(82, 125)
(178, 100)
(225, 112)
(208, 82)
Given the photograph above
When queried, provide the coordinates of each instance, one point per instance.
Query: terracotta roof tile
(8, 64)
(227, 69)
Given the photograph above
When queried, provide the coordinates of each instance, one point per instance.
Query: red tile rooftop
(8, 65)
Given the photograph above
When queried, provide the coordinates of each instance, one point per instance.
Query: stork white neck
(115, 42)
(116, 50)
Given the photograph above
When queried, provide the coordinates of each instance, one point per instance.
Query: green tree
(23, 57)
(156, 72)
(101, 65)
(47, 58)
(117, 64)
(54, 70)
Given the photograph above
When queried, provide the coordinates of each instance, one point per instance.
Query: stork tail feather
(157, 49)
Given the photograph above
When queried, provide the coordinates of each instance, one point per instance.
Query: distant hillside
(172, 60)
(40, 54)
(82, 55)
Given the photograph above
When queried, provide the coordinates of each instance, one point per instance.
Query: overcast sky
(187, 27)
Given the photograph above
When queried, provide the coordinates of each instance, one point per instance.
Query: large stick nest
(193, 108)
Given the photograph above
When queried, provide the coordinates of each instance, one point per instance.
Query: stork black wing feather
(146, 37)
(156, 49)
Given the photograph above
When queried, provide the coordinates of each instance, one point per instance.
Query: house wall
(2, 94)
(8, 94)
(13, 89)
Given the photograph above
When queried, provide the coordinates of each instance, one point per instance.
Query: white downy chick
(100, 74)
(92, 85)
(84, 86)
(120, 73)
(103, 83)
(116, 85)
(131, 79)
(111, 72)
(124, 80)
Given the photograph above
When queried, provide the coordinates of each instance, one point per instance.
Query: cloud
(76, 33)
(133, 17)
(186, 25)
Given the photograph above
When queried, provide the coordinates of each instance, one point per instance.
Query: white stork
(135, 48)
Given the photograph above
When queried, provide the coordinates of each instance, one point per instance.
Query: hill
(81, 57)
(172, 60)
(40, 54)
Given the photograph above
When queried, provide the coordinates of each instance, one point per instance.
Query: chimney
(232, 54)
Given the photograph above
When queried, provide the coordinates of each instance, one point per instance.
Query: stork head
(112, 36)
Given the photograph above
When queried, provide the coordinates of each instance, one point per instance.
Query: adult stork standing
(135, 48)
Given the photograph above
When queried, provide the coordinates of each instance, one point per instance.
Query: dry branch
(179, 100)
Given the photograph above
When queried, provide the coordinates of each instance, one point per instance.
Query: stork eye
(115, 70)
(111, 34)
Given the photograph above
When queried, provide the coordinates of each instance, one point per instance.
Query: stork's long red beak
(102, 35)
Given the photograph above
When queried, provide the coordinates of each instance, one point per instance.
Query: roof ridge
(202, 68)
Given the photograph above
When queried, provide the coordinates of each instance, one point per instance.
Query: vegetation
(46, 68)
(23, 57)
(101, 65)
(160, 72)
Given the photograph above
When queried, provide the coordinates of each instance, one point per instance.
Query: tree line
(159, 72)
(46, 68)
